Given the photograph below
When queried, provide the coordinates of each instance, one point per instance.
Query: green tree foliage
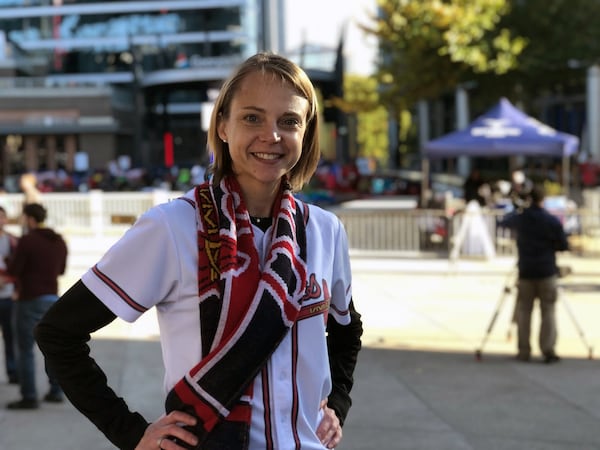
(521, 49)
(360, 94)
(372, 135)
(361, 99)
(428, 46)
(562, 40)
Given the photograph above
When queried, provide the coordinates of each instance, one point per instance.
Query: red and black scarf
(244, 312)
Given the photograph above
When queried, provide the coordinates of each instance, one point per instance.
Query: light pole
(593, 112)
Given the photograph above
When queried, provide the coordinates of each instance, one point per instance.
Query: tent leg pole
(424, 181)
(566, 175)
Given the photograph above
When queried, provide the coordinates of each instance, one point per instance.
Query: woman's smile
(267, 156)
(264, 130)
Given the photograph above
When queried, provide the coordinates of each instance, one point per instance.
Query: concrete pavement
(418, 384)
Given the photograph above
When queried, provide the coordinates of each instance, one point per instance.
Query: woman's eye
(291, 122)
(251, 118)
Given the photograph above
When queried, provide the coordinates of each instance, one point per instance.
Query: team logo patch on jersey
(315, 291)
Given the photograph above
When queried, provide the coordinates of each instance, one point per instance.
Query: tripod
(562, 297)
(507, 290)
(509, 285)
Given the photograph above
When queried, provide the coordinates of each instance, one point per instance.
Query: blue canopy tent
(504, 130)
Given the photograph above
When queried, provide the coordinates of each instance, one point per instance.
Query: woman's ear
(221, 130)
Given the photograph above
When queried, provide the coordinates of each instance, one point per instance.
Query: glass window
(102, 42)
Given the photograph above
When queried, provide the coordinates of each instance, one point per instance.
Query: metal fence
(427, 230)
(95, 212)
(99, 213)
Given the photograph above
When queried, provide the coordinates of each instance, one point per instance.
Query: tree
(429, 46)
(562, 40)
(361, 100)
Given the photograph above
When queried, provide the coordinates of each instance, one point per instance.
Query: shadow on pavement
(433, 400)
(402, 399)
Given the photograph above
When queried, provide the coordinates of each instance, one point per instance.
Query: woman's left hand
(159, 434)
(329, 430)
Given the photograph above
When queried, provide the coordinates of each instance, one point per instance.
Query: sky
(321, 22)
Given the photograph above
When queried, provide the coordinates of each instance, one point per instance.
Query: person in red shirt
(39, 259)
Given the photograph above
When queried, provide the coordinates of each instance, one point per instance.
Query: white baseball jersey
(156, 264)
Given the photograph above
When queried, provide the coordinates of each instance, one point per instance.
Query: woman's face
(264, 130)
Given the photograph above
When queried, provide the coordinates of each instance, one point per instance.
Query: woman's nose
(270, 134)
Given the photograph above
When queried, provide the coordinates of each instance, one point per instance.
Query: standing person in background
(520, 189)
(472, 188)
(252, 289)
(539, 236)
(8, 243)
(39, 259)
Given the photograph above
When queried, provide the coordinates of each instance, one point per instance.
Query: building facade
(86, 82)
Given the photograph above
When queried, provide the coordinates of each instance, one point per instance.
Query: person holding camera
(539, 236)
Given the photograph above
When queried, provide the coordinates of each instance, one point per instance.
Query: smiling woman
(273, 99)
(253, 290)
(264, 128)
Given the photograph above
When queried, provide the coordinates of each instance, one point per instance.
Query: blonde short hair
(289, 72)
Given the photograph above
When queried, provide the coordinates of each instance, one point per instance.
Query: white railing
(94, 213)
(429, 230)
(109, 214)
